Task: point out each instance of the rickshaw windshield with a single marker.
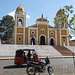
(19, 53)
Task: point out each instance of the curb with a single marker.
(41, 57)
(6, 58)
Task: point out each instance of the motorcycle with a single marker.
(39, 67)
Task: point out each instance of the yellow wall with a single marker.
(65, 40)
(45, 33)
(58, 37)
(63, 32)
(52, 35)
(20, 30)
(17, 39)
(26, 35)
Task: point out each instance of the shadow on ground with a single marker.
(14, 66)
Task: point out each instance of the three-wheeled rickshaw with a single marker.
(23, 56)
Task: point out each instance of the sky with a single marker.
(34, 9)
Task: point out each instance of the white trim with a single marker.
(28, 36)
(42, 22)
(51, 38)
(19, 26)
(63, 29)
(24, 37)
(42, 35)
(24, 30)
(19, 33)
(20, 18)
(48, 37)
(33, 27)
(20, 15)
(64, 35)
(56, 36)
(51, 29)
(37, 36)
(60, 38)
(15, 34)
(67, 39)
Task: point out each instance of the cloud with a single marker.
(28, 16)
(13, 13)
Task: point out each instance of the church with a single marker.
(41, 33)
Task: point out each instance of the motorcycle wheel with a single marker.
(51, 71)
(31, 70)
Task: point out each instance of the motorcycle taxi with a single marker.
(23, 56)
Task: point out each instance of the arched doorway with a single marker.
(42, 40)
(51, 41)
(32, 41)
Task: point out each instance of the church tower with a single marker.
(60, 21)
(20, 24)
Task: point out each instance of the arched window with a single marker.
(19, 39)
(20, 22)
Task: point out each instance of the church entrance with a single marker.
(42, 40)
(51, 41)
(32, 41)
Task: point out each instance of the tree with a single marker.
(67, 10)
(7, 23)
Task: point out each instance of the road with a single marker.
(62, 66)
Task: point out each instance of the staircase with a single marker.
(63, 50)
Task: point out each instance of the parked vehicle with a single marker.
(39, 67)
(23, 56)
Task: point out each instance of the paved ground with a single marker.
(61, 67)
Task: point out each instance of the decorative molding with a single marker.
(64, 35)
(32, 27)
(19, 33)
(42, 23)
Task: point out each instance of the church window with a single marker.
(51, 33)
(33, 32)
(42, 30)
(20, 22)
(19, 38)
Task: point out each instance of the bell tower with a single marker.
(20, 24)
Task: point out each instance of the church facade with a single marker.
(41, 33)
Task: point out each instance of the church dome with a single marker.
(20, 9)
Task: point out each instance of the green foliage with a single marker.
(8, 24)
